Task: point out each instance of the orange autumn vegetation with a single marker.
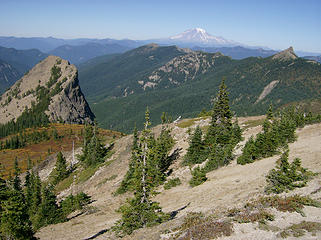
(40, 151)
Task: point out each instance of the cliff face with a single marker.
(71, 106)
(58, 79)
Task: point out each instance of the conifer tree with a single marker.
(16, 179)
(141, 211)
(48, 212)
(93, 151)
(3, 193)
(220, 139)
(221, 123)
(195, 152)
(15, 223)
(35, 199)
(60, 171)
(128, 182)
(287, 176)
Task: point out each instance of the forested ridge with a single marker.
(126, 100)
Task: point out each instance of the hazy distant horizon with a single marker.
(273, 24)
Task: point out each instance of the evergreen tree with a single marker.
(195, 152)
(221, 123)
(16, 179)
(287, 176)
(15, 223)
(60, 172)
(159, 161)
(164, 143)
(93, 151)
(48, 212)
(141, 211)
(3, 193)
(198, 176)
(129, 179)
(35, 199)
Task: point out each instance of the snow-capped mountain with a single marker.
(201, 37)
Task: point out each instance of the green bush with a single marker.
(198, 177)
(73, 203)
(137, 214)
(287, 176)
(172, 183)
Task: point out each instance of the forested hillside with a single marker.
(182, 83)
(18, 62)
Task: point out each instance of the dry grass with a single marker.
(289, 204)
(40, 151)
(196, 226)
(299, 230)
(252, 215)
(253, 123)
(186, 123)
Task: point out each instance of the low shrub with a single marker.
(287, 176)
(172, 183)
(198, 177)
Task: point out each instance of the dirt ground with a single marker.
(227, 187)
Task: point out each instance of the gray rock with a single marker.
(68, 105)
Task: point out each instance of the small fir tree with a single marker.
(16, 179)
(141, 211)
(60, 172)
(48, 211)
(287, 176)
(195, 152)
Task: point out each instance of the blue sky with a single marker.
(277, 24)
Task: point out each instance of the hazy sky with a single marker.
(277, 24)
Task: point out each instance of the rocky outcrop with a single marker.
(59, 79)
(286, 55)
(181, 69)
(267, 90)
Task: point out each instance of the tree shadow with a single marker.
(174, 213)
(98, 234)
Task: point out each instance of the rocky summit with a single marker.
(286, 55)
(55, 78)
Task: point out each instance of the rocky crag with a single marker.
(58, 79)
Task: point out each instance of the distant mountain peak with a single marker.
(200, 36)
(285, 55)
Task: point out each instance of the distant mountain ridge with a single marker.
(48, 44)
(314, 58)
(15, 63)
(183, 82)
(22, 60)
(82, 53)
(237, 52)
(8, 75)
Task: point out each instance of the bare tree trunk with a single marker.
(144, 198)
